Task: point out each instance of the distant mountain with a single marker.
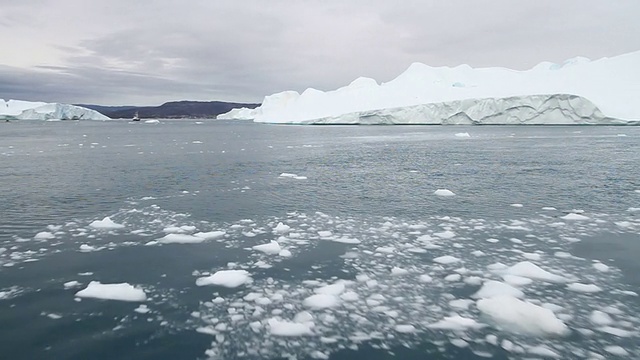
(170, 110)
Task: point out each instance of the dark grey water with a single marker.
(361, 205)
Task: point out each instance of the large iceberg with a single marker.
(579, 91)
(28, 110)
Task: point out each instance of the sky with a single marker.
(123, 52)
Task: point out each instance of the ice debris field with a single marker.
(489, 286)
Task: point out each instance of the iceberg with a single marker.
(28, 110)
(579, 91)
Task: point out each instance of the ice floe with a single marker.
(226, 278)
(119, 291)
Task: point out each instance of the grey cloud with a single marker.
(150, 52)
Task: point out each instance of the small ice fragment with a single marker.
(522, 317)
(494, 288)
(121, 292)
(600, 267)
(396, 271)
(282, 228)
(272, 248)
(226, 278)
(405, 329)
(71, 284)
(142, 309)
(180, 239)
(320, 301)
(573, 216)
(584, 288)
(105, 223)
(447, 259)
(211, 235)
(444, 192)
(44, 235)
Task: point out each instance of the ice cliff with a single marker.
(579, 91)
(27, 110)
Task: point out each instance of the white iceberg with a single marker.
(28, 110)
(579, 91)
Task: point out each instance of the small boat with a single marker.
(136, 117)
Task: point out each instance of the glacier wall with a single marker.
(556, 109)
(26, 110)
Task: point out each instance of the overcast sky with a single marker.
(115, 52)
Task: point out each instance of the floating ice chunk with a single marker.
(452, 277)
(105, 223)
(461, 303)
(272, 248)
(447, 259)
(517, 205)
(317, 354)
(211, 235)
(515, 280)
(287, 175)
(142, 309)
(303, 317)
(515, 315)
(600, 267)
(443, 192)
(324, 233)
(584, 288)
(549, 208)
(616, 331)
(44, 235)
(533, 271)
(456, 323)
(349, 296)
(333, 289)
(447, 234)
(87, 248)
(173, 230)
(543, 351)
(71, 284)
(492, 288)
(121, 292)
(405, 329)
(463, 135)
(573, 216)
(226, 278)
(180, 239)
(396, 271)
(321, 301)
(54, 316)
(386, 249)
(285, 253)
(282, 228)
(154, 121)
(344, 240)
(616, 349)
(531, 256)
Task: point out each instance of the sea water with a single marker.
(257, 241)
